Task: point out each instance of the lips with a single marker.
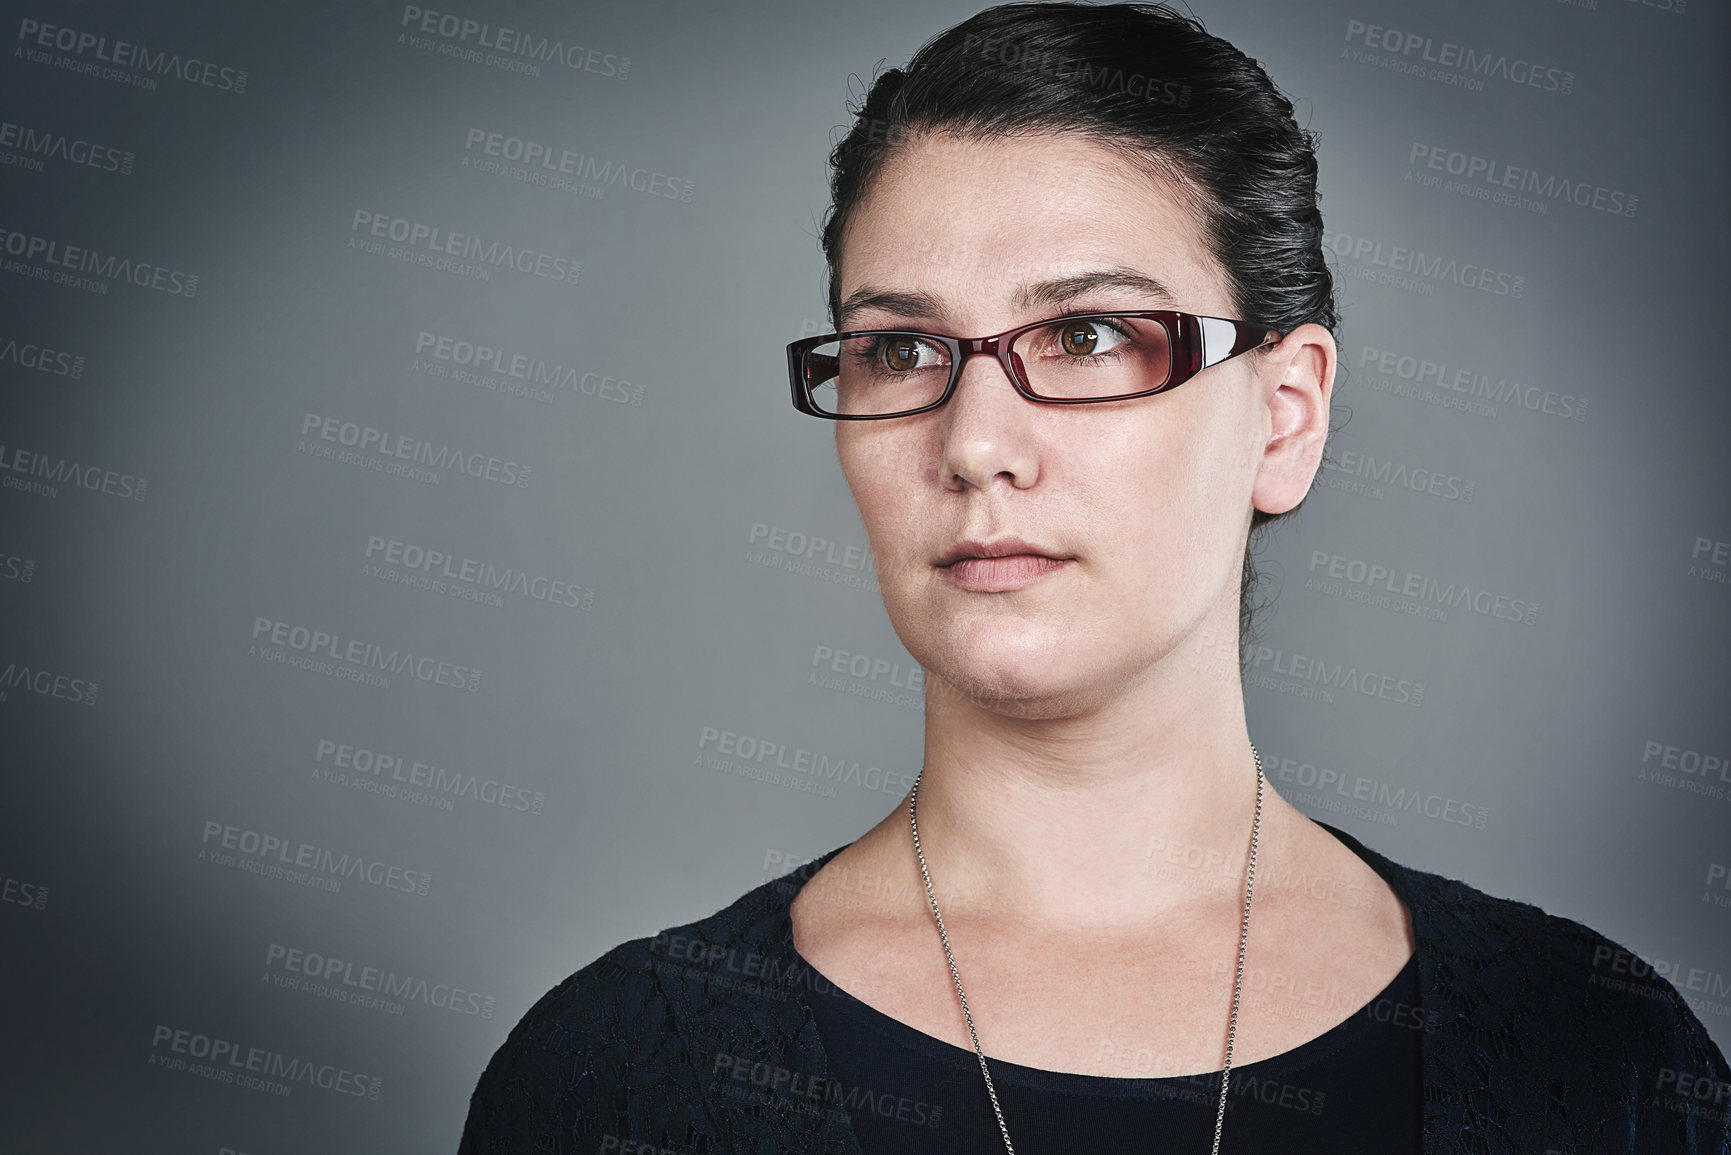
(998, 547)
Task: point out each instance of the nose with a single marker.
(987, 428)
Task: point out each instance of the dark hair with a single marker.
(1152, 83)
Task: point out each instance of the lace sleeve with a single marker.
(595, 1065)
(1644, 1050)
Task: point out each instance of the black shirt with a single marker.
(1547, 1036)
(1355, 1088)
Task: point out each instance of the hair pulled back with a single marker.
(1152, 83)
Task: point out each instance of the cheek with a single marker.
(882, 474)
(882, 506)
(1203, 448)
(1164, 502)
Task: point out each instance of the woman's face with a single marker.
(1147, 501)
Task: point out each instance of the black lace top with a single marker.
(1356, 1087)
(696, 1040)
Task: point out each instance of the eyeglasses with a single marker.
(870, 374)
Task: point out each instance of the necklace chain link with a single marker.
(1237, 977)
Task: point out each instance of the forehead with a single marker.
(970, 221)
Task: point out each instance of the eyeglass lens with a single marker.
(1069, 359)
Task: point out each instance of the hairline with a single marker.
(1156, 164)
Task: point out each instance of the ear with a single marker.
(1297, 379)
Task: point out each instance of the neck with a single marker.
(1132, 810)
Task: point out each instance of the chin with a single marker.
(1036, 697)
(1004, 672)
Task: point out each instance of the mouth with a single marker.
(1003, 547)
(1000, 566)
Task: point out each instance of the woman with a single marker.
(1092, 923)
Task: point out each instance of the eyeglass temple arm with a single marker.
(1222, 338)
(820, 367)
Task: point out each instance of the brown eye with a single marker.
(1078, 340)
(902, 356)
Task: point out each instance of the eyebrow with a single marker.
(1056, 292)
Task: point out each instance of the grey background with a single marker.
(688, 509)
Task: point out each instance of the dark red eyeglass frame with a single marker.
(1198, 342)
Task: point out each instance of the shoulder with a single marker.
(1511, 986)
(610, 1050)
(554, 1082)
